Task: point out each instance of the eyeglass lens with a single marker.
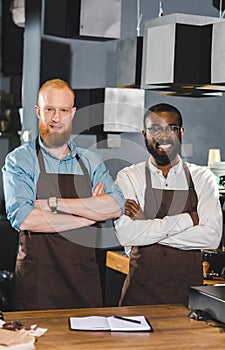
(158, 129)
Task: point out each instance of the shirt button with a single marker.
(166, 185)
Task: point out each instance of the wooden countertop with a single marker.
(119, 261)
(173, 329)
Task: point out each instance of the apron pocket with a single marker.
(25, 288)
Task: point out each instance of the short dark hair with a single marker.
(163, 107)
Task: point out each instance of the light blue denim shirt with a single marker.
(21, 172)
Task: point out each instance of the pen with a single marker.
(127, 319)
(1, 316)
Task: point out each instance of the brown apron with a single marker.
(52, 272)
(160, 274)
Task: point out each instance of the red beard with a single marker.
(53, 138)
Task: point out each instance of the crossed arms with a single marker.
(195, 230)
(85, 212)
(133, 210)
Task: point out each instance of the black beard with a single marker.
(162, 159)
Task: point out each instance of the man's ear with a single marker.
(73, 112)
(143, 133)
(182, 131)
(37, 110)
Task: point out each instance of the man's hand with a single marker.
(133, 210)
(99, 189)
(194, 217)
(99, 207)
(43, 203)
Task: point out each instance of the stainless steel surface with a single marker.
(123, 109)
(98, 19)
(129, 60)
(218, 53)
(160, 45)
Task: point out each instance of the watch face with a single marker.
(52, 202)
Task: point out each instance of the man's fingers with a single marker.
(99, 189)
(131, 208)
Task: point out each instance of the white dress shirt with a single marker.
(178, 230)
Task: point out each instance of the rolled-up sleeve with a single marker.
(101, 174)
(21, 172)
(19, 187)
(206, 235)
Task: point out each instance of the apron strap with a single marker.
(40, 156)
(188, 176)
(186, 171)
(163, 199)
(83, 167)
(42, 163)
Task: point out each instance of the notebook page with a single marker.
(89, 323)
(123, 325)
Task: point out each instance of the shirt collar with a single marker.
(71, 144)
(176, 168)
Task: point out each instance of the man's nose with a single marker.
(56, 116)
(164, 133)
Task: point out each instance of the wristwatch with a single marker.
(53, 203)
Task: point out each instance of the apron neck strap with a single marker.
(42, 163)
(186, 171)
(40, 156)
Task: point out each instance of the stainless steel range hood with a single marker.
(184, 54)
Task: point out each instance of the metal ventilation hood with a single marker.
(76, 18)
(184, 55)
(129, 61)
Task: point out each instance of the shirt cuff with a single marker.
(184, 222)
(119, 200)
(21, 216)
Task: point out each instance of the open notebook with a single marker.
(112, 323)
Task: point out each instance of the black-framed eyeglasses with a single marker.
(158, 130)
